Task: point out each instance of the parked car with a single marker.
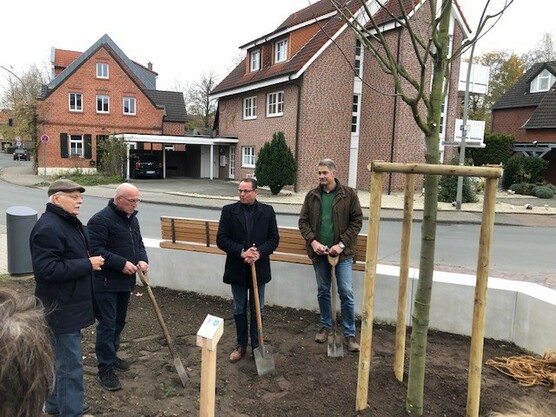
(146, 166)
(21, 155)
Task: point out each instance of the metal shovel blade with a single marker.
(264, 360)
(335, 345)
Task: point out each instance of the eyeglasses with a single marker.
(244, 191)
(132, 200)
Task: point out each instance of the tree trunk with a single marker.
(420, 320)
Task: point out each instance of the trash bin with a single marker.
(19, 223)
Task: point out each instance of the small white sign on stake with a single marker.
(211, 330)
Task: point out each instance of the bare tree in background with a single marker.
(20, 96)
(424, 91)
(544, 51)
(200, 105)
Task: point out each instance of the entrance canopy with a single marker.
(132, 138)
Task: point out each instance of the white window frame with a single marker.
(129, 106)
(76, 146)
(281, 51)
(103, 70)
(275, 104)
(103, 103)
(250, 108)
(255, 63)
(75, 102)
(542, 82)
(248, 156)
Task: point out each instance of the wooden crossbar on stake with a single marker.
(491, 174)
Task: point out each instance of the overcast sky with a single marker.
(185, 39)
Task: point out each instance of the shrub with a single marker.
(448, 190)
(523, 188)
(552, 187)
(112, 156)
(275, 166)
(519, 169)
(498, 149)
(544, 192)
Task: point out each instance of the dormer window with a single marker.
(255, 60)
(542, 82)
(102, 70)
(281, 51)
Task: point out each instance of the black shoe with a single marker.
(120, 365)
(86, 407)
(109, 380)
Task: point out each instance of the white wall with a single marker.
(518, 312)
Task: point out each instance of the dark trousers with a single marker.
(243, 296)
(112, 309)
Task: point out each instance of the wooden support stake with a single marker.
(365, 354)
(207, 338)
(479, 307)
(404, 276)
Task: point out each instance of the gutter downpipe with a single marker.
(297, 122)
(394, 119)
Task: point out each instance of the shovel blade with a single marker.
(335, 346)
(182, 373)
(264, 361)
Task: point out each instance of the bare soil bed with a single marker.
(306, 381)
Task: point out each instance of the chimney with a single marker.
(150, 66)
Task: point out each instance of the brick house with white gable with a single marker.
(528, 111)
(302, 79)
(98, 93)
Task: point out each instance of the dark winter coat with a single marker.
(346, 215)
(117, 238)
(63, 271)
(232, 239)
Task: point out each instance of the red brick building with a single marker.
(95, 94)
(312, 79)
(528, 111)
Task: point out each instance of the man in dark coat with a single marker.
(63, 272)
(248, 233)
(115, 234)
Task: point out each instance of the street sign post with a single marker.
(44, 140)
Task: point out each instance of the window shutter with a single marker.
(64, 145)
(88, 146)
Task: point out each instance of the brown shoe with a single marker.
(351, 344)
(237, 354)
(322, 335)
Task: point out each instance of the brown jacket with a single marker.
(347, 217)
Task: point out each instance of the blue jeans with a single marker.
(240, 294)
(344, 278)
(112, 308)
(68, 395)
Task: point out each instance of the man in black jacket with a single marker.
(63, 272)
(248, 233)
(116, 236)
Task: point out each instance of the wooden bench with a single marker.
(199, 235)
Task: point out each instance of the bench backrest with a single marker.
(200, 235)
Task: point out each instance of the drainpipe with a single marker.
(394, 119)
(297, 122)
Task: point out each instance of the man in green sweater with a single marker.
(330, 221)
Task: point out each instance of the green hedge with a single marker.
(499, 148)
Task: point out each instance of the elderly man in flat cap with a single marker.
(63, 271)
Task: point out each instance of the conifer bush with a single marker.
(275, 167)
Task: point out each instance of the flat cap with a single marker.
(66, 186)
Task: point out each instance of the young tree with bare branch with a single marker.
(426, 25)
